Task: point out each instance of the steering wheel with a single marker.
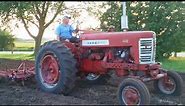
(82, 31)
(76, 26)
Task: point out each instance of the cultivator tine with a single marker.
(21, 73)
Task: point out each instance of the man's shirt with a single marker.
(64, 31)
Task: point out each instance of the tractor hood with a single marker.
(114, 39)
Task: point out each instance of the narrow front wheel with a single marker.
(172, 85)
(133, 92)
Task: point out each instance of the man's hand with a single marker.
(77, 29)
(58, 38)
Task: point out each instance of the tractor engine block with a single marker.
(121, 54)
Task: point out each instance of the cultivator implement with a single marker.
(23, 71)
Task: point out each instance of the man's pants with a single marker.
(72, 39)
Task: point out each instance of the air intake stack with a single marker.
(124, 18)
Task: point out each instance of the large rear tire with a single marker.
(133, 92)
(55, 68)
(172, 87)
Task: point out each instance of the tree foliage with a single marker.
(6, 40)
(39, 14)
(32, 13)
(112, 16)
(167, 19)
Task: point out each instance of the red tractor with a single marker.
(130, 54)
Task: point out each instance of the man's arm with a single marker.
(74, 30)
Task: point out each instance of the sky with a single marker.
(88, 21)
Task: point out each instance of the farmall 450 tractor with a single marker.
(130, 54)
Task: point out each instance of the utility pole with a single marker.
(124, 18)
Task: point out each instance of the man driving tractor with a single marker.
(64, 31)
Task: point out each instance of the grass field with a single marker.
(24, 45)
(177, 64)
(17, 56)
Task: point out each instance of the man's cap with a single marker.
(66, 17)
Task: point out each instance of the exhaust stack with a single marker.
(124, 18)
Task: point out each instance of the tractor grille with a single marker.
(147, 50)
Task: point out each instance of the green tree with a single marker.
(167, 19)
(32, 13)
(39, 14)
(112, 16)
(6, 40)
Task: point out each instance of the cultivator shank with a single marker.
(23, 72)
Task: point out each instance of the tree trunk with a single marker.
(38, 42)
(37, 46)
(175, 54)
